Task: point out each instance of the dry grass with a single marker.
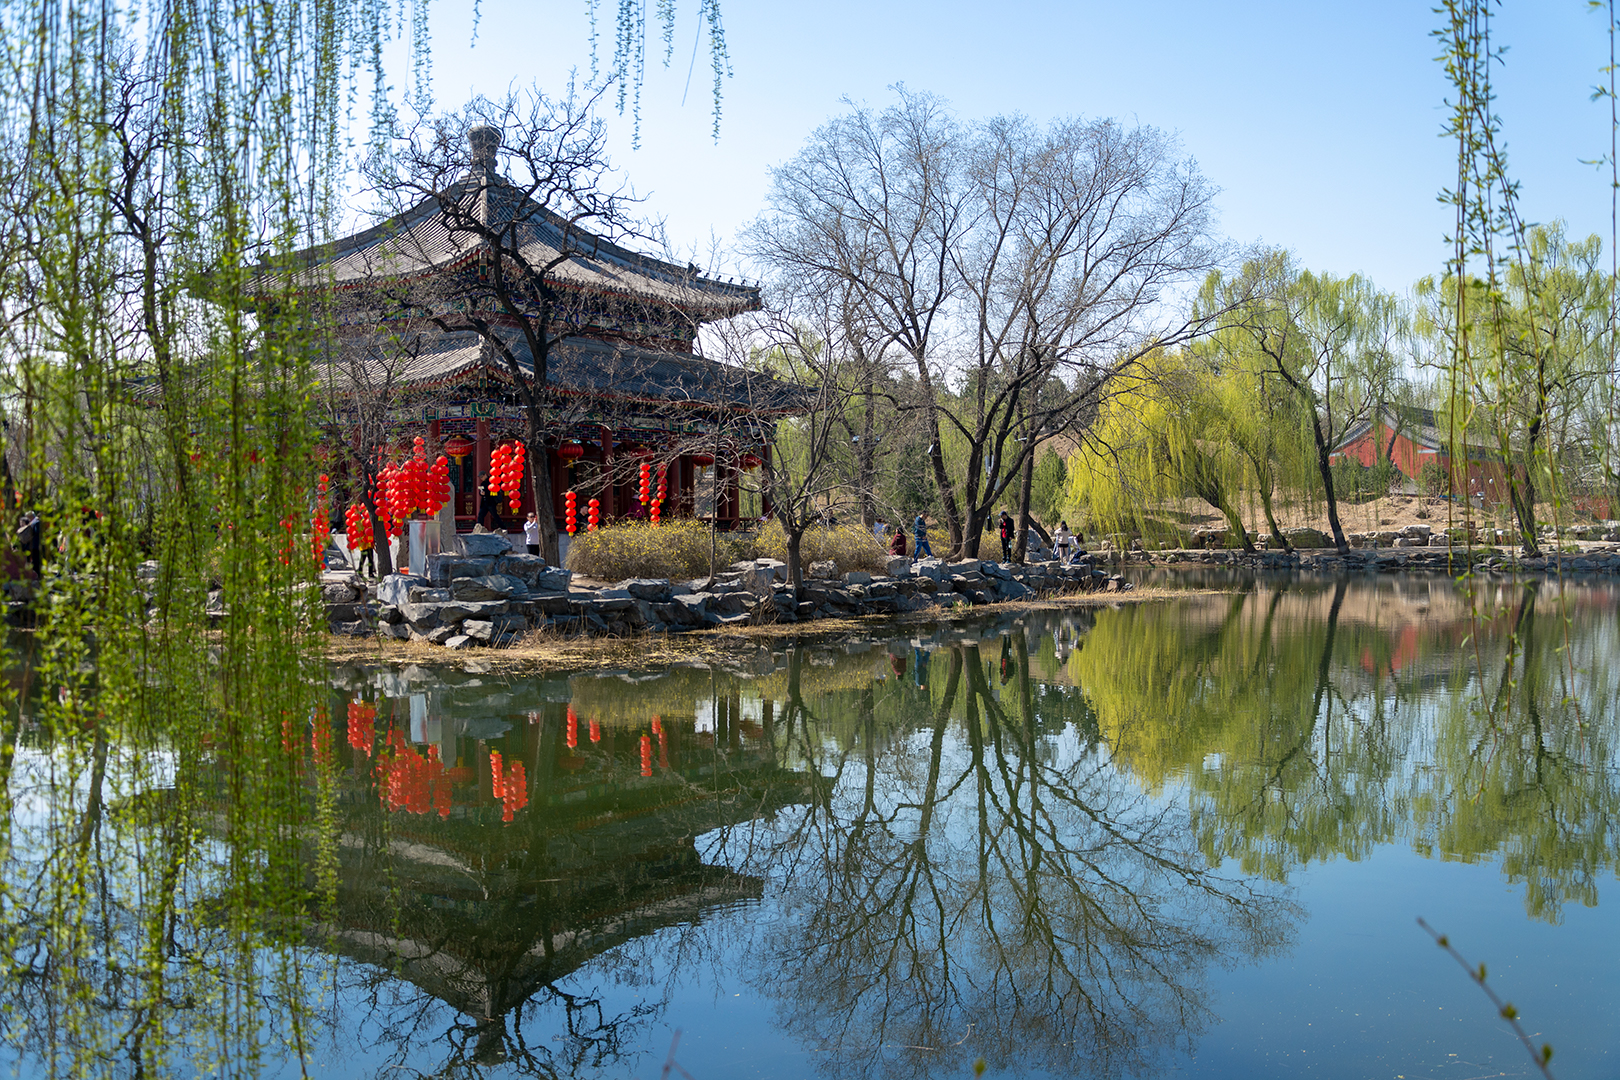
(676, 550)
(679, 549)
(851, 547)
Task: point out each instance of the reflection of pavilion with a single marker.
(482, 915)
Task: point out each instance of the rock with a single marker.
(402, 630)
(429, 596)
(388, 613)
(359, 628)
(339, 593)
(396, 588)
(444, 568)
(477, 629)
(1417, 531)
(605, 600)
(491, 587)
(965, 567)
(334, 559)
(857, 577)
(553, 579)
(345, 612)
(148, 570)
(653, 590)
(898, 566)
(481, 545)
(423, 616)
(825, 570)
(930, 568)
(758, 579)
(441, 634)
(522, 565)
(457, 610)
(460, 641)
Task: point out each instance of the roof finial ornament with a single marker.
(484, 140)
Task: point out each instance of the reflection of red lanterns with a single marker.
(573, 722)
(570, 511)
(646, 755)
(596, 731)
(663, 743)
(593, 514)
(362, 726)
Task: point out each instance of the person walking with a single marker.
(531, 533)
(920, 548)
(366, 564)
(1006, 537)
(1062, 541)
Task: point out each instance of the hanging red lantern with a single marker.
(593, 515)
(570, 511)
(459, 446)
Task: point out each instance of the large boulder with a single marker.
(553, 579)
(481, 545)
(521, 565)
(653, 590)
(396, 588)
(490, 587)
(898, 566)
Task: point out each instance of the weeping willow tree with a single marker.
(1168, 436)
(167, 766)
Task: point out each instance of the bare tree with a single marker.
(874, 206)
(530, 260)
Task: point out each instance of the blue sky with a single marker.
(1319, 122)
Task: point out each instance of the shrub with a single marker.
(676, 549)
(1434, 480)
(851, 547)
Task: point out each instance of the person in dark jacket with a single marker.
(897, 544)
(1006, 537)
(920, 548)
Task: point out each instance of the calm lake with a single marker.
(1180, 837)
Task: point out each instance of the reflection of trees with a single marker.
(1526, 760)
(1299, 740)
(994, 887)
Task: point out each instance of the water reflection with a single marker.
(1040, 840)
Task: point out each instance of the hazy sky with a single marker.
(1319, 122)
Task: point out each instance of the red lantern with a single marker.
(593, 515)
(570, 511)
(459, 446)
(570, 452)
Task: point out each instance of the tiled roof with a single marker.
(577, 365)
(430, 237)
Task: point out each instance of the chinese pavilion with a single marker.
(421, 344)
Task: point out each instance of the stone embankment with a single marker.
(1414, 548)
(484, 594)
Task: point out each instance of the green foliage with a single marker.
(1047, 488)
(1355, 482)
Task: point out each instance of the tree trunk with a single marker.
(795, 562)
(863, 461)
(540, 488)
(1522, 493)
(942, 483)
(1025, 484)
(1325, 468)
(973, 533)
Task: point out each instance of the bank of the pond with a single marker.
(1452, 558)
(552, 650)
(485, 595)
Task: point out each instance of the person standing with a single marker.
(1006, 537)
(920, 548)
(531, 533)
(1062, 541)
(32, 540)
